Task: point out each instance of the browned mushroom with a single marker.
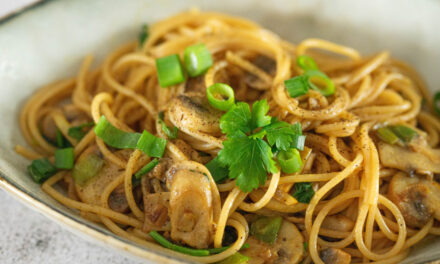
(338, 223)
(190, 210)
(418, 199)
(192, 110)
(334, 256)
(288, 248)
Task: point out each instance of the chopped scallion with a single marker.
(41, 170)
(146, 169)
(167, 244)
(115, 137)
(436, 103)
(290, 160)
(405, 133)
(320, 82)
(64, 158)
(151, 145)
(143, 34)
(306, 63)
(220, 96)
(297, 86)
(387, 135)
(77, 132)
(86, 168)
(298, 141)
(170, 70)
(266, 228)
(237, 258)
(197, 59)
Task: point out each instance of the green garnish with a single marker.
(86, 168)
(220, 96)
(41, 170)
(197, 59)
(306, 63)
(64, 158)
(387, 135)
(61, 141)
(185, 250)
(289, 160)
(77, 132)
(405, 133)
(171, 133)
(306, 246)
(303, 192)
(266, 228)
(217, 170)
(436, 103)
(297, 86)
(170, 70)
(143, 34)
(115, 137)
(151, 145)
(237, 258)
(146, 169)
(246, 153)
(320, 82)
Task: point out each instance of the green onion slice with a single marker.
(306, 63)
(41, 170)
(143, 34)
(297, 86)
(266, 228)
(86, 168)
(197, 59)
(171, 133)
(405, 133)
(64, 158)
(77, 132)
(167, 244)
(237, 258)
(320, 82)
(298, 142)
(115, 137)
(220, 96)
(387, 135)
(146, 169)
(169, 70)
(290, 160)
(151, 145)
(436, 103)
(303, 192)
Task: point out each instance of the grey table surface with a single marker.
(27, 236)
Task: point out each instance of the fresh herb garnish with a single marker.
(170, 132)
(143, 34)
(246, 153)
(78, 132)
(303, 192)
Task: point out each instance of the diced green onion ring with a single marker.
(220, 96)
(320, 82)
(86, 168)
(197, 59)
(290, 160)
(170, 70)
(64, 158)
(297, 86)
(236, 258)
(306, 63)
(266, 228)
(115, 137)
(406, 134)
(41, 170)
(387, 135)
(151, 145)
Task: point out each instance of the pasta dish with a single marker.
(215, 139)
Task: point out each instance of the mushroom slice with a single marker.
(338, 223)
(191, 210)
(192, 110)
(288, 248)
(334, 256)
(405, 159)
(417, 199)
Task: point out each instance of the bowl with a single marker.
(47, 41)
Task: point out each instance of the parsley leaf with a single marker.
(249, 160)
(218, 171)
(259, 117)
(238, 118)
(283, 135)
(303, 192)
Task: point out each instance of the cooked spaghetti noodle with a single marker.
(357, 213)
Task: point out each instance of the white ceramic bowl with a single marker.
(48, 41)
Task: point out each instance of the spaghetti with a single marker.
(360, 208)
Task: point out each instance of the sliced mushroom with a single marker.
(192, 110)
(418, 199)
(190, 210)
(405, 159)
(191, 153)
(334, 256)
(338, 223)
(287, 249)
